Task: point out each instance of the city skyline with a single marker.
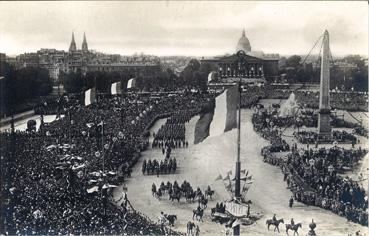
(183, 28)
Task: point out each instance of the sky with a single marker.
(204, 28)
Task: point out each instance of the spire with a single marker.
(72, 47)
(84, 43)
(243, 33)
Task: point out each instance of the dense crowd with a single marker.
(59, 180)
(314, 175)
(351, 101)
(269, 132)
(338, 136)
(330, 191)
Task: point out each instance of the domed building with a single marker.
(255, 67)
(243, 43)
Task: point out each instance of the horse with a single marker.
(190, 196)
(275, 223)
(203, 202)
(158, 194)
(175, 196)
(171, 219)
(198, 214)
(294, 227)
(209, 193)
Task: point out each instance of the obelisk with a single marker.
(324, 126)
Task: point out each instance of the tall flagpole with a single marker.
(237, 192)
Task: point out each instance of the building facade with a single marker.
(85, 60)
(255, 65)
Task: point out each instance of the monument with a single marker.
(324, 126)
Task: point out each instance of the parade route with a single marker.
(200, 165)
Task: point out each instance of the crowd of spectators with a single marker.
(59, 179)
(348, 100)
(314, 175)
(338, 136)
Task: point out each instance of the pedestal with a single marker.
(324, 126)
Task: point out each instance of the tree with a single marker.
(73, 82)
(23, 84)
(293, 61)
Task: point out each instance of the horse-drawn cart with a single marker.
(220, 217)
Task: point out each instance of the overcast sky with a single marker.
(183, 28)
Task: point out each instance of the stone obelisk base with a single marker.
(324, 126)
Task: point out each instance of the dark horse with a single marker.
(294, 227)
(190, 196)
(198, 214)
(209, 193)
(175, 196)
(171, 219)
(275, 223)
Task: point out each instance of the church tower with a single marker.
(84, 44)
(72, 47)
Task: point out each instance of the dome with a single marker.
(243, 43)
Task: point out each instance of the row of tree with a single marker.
(294, 70)
(20, 85)
(152, 80)
(194, 75)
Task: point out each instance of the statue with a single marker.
(312, 226)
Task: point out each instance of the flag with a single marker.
(131, 83)
(229, 187)
(222, 119)
(246, 188)
(227, 178)
(246, 178)
(116, 88)
(219, 178)
(90, 96)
